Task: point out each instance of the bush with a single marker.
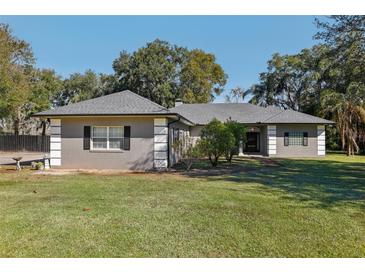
(219, 139)
(39, 166)
(188, 150)
(239, 133)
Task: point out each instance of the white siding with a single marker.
(271, 140)
(321, 139)
(160, 143)
(55, 148)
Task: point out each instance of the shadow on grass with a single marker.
(323, 183)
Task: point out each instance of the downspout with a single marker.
(168, 140)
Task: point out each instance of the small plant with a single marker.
(188, 150)
(39, 166)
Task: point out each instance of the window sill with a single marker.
(106, 150)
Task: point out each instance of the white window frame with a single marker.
(107, 138)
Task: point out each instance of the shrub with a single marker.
(188, 150)
(239, 133)
(219, 139)
(39, 166)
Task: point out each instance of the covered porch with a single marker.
(256, 141)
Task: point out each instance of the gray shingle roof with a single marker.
(129, 103)
(245, 113)
(120, 103)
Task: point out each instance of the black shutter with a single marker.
(286, 139)
(87, 134)
(127, 138)
(305, 139)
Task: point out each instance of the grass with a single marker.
(300, 208)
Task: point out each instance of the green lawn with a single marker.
(301, 208)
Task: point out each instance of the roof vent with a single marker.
(178, 102)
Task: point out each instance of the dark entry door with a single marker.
(253, 142)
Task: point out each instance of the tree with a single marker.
(152, 71)
(348, 112)
(163, 73)
(289, 82)
(45, 87)
(213, 139)
(238, 131)
(16, 61)
(201, 78)
(79, 87)
(237, 94)
(344, 76)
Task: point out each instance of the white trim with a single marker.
(160, 140)
(107, 139)
(160, 122)
(160, 130)
(55, 153)
(55, 143)
(55, 139)
(160, 147)
(55, 146)
(55, 162)
(160, 155)
(271, 140)
(160, 163)
(55, 130)
(321, 140)
(56, 122)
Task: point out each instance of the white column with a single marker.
(55, 149)
(271, 140)
(160, 143)
(321, 140)
(240, 149)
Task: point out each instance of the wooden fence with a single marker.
(34, 143)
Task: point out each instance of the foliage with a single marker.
(37, 165)
(163, 73)
(213, 139)
(45, 85)
(219, 139)
(201, 78)
(348, 110)
(239, 133)
(289, 82)
(236, 95)
(16, 60)
(189, 151)
(79, 87)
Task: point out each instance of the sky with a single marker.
(242, 44)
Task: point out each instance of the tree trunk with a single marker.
(214, 161)
(44, 127)
(16, 127)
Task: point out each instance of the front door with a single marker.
(253, 142)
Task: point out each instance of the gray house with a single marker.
(126, 131)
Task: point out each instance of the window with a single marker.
(296, 138)
(107, 138)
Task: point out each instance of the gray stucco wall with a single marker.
(296, 151)
(139, 157)
(195, 131)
